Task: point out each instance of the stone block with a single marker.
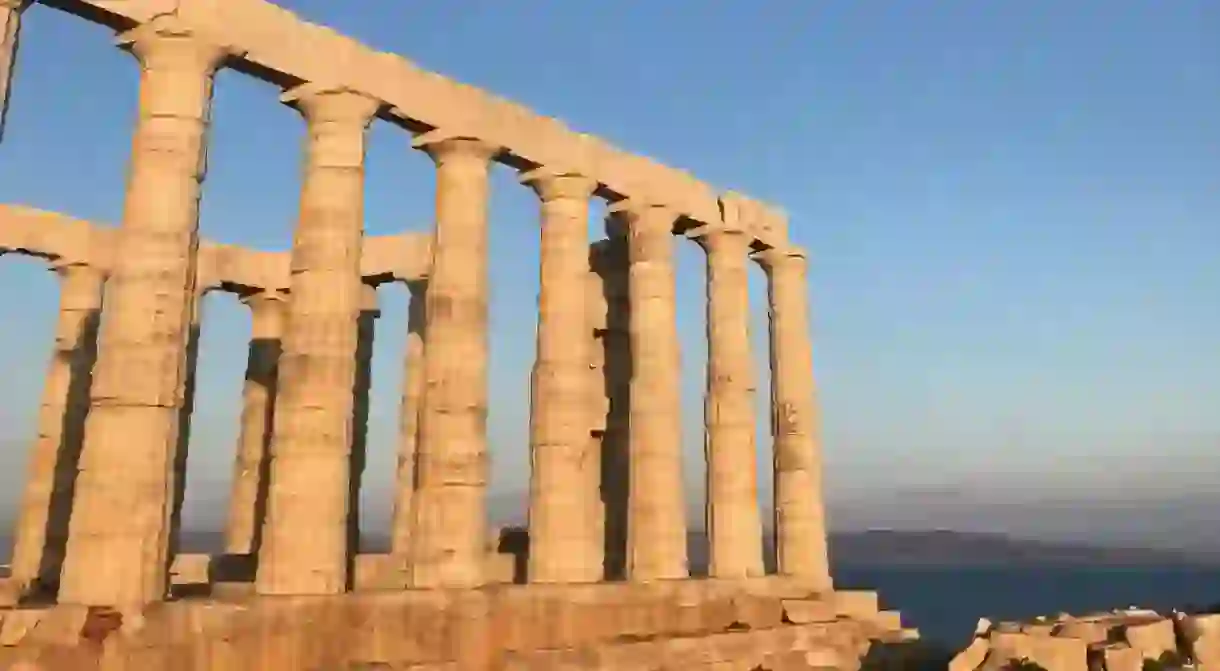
(18, 624)
(802, 611)
(190, 570)
(1152, 639)
(859, 604)
(379, 572)
(1049, 652)
(1122, 658)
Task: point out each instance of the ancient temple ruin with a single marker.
(603, 580)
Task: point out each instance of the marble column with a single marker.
(563, 547)
(800, 519)
(733, 519)
(10, 34)
(611, 313)
(370, 311)
(121, 515)
(248, 499)
(408, 421)
(305, 534)
(656, 542)
(42, 521)
(450, 530)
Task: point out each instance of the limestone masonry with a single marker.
(1115, 641)
(599, 581)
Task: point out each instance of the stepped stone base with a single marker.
(693, 624)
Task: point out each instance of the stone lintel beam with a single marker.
(280, 47)
(59, 237)
(54, 236)
(396, 258)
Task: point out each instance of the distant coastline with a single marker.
(891, 548)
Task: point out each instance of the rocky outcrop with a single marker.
(1122, 640)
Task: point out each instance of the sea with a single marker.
(945, 603)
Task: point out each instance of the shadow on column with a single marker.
(180, 453)
(72, 437)
(515, 541)
(262, 369)
(360, 424)
(608, 259)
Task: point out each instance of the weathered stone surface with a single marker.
(292, 589)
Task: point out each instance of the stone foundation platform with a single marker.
(693, 624)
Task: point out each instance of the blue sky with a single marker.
(1009, 206)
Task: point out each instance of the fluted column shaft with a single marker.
(10, 32)
(41, 529)
(366, 332)
(563, 546)
(733, 520)
(657, 524)
(305, 536)
(248, 500)
(452, 467)
(800, 519)
(408, 421)
(119, 535)
(610, 306)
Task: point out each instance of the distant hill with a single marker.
(881, 548)
(952, 548)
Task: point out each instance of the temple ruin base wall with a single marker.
(769, 623)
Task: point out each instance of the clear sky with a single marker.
(1010, 209)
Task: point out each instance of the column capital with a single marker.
(551, 185)
(778, 259)
(325, 103)
(167, 42)
(445, 146)
(265, 298)
(61, 265)
(716, 239)
(637, 214)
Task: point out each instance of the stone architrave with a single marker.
(10, 35)
(733, 520)
(305, 534)
(563, 545)
(121, 515)
(248, 499)
(450, 530)
(40, 534)
(656, 528)
(800, 518)
(408, 421)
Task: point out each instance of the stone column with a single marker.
(10, 32)
(800, 520)
(305, 534)
(370, 311)
(657, 525)
(248, 500)
(562, 500)
(450, 528)
(42, 521)
(733, 520)
(119, 535)
(408, 421)
(611, 299)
